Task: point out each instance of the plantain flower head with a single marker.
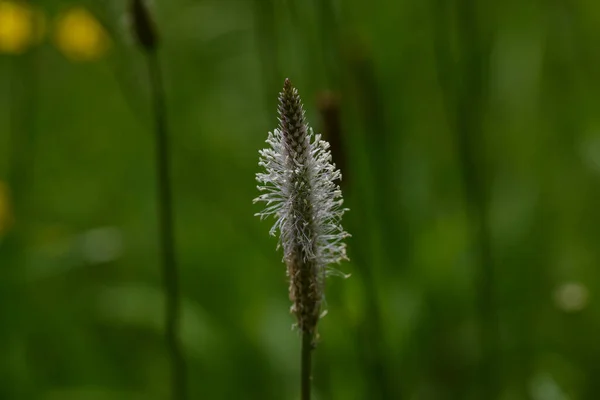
(300, 190)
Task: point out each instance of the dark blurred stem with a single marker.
(471, 104)
(464, 90)
(369, 166)
(328, 34)
(23, 98)
(166, 232)
(266, 32)
(445, 66)
(305, 368)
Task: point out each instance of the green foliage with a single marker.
(80, 291)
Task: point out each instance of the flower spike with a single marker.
(299, 189)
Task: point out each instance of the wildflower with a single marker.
(79, 36)
(300, 192)
(20, 26)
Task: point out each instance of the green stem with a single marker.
(464, 86)
(471, 106)
(166, 232)
(266, 30)
(22, 112)
(305, 372)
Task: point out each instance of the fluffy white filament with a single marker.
(326, 245)
(300, 190)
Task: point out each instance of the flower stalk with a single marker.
(145, 33)
(300, 190)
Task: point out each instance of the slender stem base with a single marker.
(166, 231)
(305, 373)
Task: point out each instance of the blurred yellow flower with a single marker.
(20, 26)
(6, 217)
(80, 36)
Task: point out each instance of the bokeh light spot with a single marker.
(101, 245)
(79, 36)
(16, 27)
(571, 296)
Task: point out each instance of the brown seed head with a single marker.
(143, 26)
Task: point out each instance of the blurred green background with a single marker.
(468, 134)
